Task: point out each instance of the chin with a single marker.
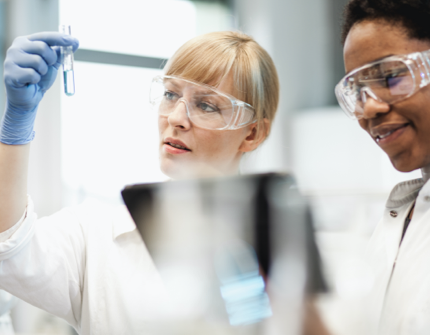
(171, 169)
(406, 165)
(178, 170)
(188, 169)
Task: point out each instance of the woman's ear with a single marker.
(257, 133)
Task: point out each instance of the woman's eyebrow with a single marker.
(199, 90)
(170, 81)
(203, 91)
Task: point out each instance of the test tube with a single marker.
(67, 61)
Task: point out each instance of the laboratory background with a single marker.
(124, 44)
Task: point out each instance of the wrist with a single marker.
(16, 126)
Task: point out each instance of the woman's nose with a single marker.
(179, 117)
(373, 108)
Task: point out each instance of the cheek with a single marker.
(230, 143)
(416, 110)
(217, 143)
(162, 124)
(208, 142)
(364, 124)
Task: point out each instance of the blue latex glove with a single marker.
(30, 70)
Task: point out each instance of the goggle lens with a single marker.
(386, 81)
(205, 107)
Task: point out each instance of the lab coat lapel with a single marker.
(398, 206)
(393, 221)
(407, 299)
(122, 222)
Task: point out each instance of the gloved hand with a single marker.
(30, 70)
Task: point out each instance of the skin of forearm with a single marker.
(13, 183)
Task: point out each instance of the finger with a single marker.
(55, 39)
(22, 77)
(42, 49)
(57, 50)
(46, 81)
(26, 60)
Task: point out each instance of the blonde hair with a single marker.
(210, 58)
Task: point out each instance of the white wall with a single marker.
(297, 36)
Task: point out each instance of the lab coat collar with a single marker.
(122, 222)
(425, 171)
(404, 193)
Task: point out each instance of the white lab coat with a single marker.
(402, 293)
(86, 264)
(7, 301)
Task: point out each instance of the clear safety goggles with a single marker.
(206, 106)
(389, 80)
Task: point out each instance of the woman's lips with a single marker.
(175, 147)
(173, 150)
(388, 135)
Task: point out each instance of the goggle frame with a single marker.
(418, 64)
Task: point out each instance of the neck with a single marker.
(425, 171)
(202, 170)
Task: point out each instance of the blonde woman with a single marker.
(235, 65)
(216, 101)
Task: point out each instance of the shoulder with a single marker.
(92, 217)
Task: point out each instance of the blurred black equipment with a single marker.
(236, 254)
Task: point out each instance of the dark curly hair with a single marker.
(413, 15)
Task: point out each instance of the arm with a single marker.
(30, 70)
(13, 181)
(43, 262)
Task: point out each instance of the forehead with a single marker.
(368, 41)
(225, 85)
